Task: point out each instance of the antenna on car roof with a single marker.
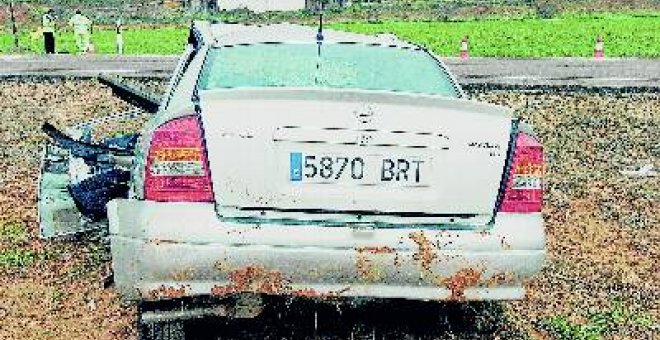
(319, 42)
(319, 34)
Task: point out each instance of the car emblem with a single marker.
(364, 139)
(365, 114)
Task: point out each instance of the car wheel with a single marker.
(169, 330)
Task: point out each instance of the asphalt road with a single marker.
(533, 72)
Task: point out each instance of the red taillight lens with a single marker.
(177, 165)
(524, 188)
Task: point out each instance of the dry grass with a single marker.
(59, 295)
(603, 240)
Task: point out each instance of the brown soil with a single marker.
(603, 240)
(60, 294)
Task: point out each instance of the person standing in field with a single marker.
(82, 28)
(120, 38)
(48, 29)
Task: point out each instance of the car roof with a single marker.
(224, 34)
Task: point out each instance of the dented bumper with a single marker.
(172, 250)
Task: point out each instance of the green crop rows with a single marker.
(574, 36)
(625, 35)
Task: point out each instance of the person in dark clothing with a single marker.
(48, 29)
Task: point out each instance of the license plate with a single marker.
(365, 169)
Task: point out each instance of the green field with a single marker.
(162, 40)
(572, 36)
(626, 35)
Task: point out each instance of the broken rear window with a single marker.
(346, 66)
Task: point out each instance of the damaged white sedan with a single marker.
(287, 161)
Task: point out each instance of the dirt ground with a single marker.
(602, 277)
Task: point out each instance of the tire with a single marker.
(171, 330)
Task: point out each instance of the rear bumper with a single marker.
(172, 250)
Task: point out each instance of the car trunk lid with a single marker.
(367, 158)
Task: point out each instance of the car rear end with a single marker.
(304, 202)
(327, 177)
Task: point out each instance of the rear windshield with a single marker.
(346, 66)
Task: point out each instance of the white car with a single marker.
(287, 161)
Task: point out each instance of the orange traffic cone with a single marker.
(599, 53)
(465, 48)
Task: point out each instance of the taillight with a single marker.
(177, 165)
(524, 188)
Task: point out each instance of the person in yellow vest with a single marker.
(82, 28)
(48, 29)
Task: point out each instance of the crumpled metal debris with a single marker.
(644, 171)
